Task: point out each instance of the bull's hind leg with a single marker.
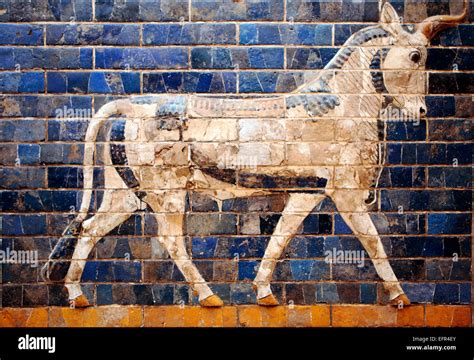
(296, 210)
(117, 206)
(169, 208)
(352, 207)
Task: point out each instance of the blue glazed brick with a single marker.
(440, 106)
(450, 59)
(94, 82)
(285, 34)
(450, 83)
(368, 293)
(243, 10)
(190, 82)
(302, 270)
(457, 177)
(441, 269)
(47, 106)
(355, 271)
(21, 34)
(465, 293)
(104, 294)
(317, 224)
(24, 224)
(43, 200)
(132, 226)
(419, 292)
(140, 58)
(141, 10)
(211, 224)
(446, 294)
(45, 58)
(394, 152)
(450, 200)
(317, 10)
(170, 294)
(449, 223)
(120, 271)
(22, 130)
(309, 58)
(41, 10)
(400, 177)
(300, 294)
(340, 227)
(327, 293)
(85, 34)
(460, 35)
(62, 154)
(411, 270)
(399, 223)
(189, 34)
(350, 243)
(268, 82)
(67, 130)
(18, 273)
(450, 130)
(342, 32)
(53, 200)
(9, 154)
(397, 130)
(228, 58)
(248, 269)
(160, 271)
(429, 153)
(29, 154)
(459, 154)
(242, 247)
(18, 178)
(242, 294)
(425, 246)
(64, 177)
(31, 82)
(305, 246)
(204, 247)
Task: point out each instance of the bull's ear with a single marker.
(389, 19)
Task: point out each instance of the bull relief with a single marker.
(325, 139)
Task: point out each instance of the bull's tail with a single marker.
(58, 263)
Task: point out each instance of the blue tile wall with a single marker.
(61, 60)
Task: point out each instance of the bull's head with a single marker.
(404, 62)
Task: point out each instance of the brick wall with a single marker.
(78, 55)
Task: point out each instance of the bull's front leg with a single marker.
(296, 210)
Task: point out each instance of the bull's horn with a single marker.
(434, 24)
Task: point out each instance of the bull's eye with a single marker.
(415, 56)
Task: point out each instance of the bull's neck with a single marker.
(350, 74)
(354, 84)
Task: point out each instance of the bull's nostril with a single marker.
(422, 110)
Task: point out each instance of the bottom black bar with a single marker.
(337, 343)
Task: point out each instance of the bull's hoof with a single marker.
(268, 300)
(401, 300)
(212, 301)
(79, 302)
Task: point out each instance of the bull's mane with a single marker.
(320, 84)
